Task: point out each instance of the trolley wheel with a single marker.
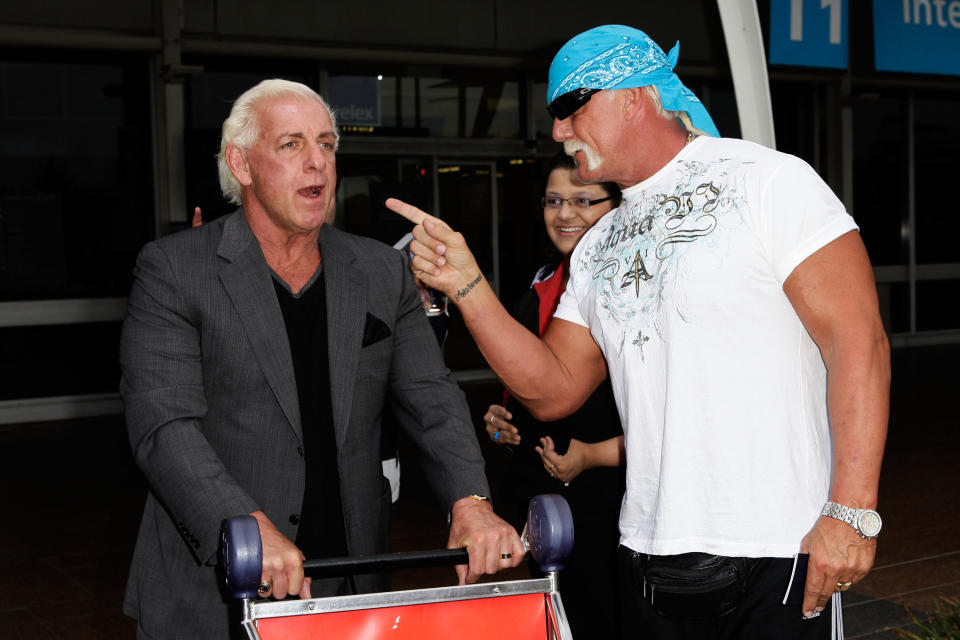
(549, 531)
(242, 555)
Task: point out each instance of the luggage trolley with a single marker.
(516, 609)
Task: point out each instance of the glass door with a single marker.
(466, 196)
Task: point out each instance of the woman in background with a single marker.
(581, 456)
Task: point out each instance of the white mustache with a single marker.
(594, 159)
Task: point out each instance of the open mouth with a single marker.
(570, 229)
(311, 192)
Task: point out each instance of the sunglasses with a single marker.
(564, 106)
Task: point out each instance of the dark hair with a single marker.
(561, 160)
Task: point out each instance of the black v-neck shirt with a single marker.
(321, 533)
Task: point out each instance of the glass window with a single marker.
(469, 108)
(798, 122)
(937, 305)
(496, 106)
(366, 181)
(937, 158)
(466, 204)
(76, 179)
(523, 242)
(443, 105)
(542, 122)
(398, 105)
(721, 103)
(43, 361)
(880, 176)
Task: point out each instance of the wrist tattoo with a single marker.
(470, 285)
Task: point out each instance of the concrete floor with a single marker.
(72, 499)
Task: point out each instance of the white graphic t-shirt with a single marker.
(721, 391)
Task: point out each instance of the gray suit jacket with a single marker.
(213, 416)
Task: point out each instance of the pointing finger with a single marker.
(408, 211)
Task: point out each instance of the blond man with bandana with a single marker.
(732, 304)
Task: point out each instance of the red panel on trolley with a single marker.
(519, 617)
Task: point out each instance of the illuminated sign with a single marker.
(920, 36)
(355, 100)
(809, 33)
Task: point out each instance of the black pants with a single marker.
(760, 615)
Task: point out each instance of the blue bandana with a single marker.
(618, 57)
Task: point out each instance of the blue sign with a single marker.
(355, 99)
(922, 36)
(809, 33)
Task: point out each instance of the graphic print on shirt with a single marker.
(635, 264)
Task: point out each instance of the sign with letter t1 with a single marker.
(809, 33)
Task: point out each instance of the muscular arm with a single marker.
(834, 295)
(551, 377)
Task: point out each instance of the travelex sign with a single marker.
(916, 36)
(355, 99)
(921, 36)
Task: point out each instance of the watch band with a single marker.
(840, 512)
(854, 517)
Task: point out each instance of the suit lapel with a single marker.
(249, 284)
(345, 319)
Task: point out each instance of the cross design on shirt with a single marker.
(639, 342)
(636, 272)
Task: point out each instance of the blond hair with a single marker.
(242, 127)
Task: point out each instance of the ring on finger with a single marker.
(265, 587)
(843, 586)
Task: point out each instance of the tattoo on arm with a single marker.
(463, 292)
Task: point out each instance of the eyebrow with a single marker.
(301, 136)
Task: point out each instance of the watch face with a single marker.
(869, 523)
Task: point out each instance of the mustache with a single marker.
(594, 159)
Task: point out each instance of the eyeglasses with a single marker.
(551, 202)
(564, 106)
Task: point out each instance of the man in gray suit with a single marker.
(257, 355)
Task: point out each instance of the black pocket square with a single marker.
(374, 330)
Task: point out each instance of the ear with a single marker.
(238, 165)
(633, 102)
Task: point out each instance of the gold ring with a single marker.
(843, 586)
(265, 587)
